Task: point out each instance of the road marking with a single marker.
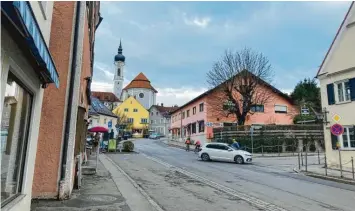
(145, 194)
(250, 199)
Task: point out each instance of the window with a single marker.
(157, 113)
(130, 120)
(342, 91)
(14, 137)
(151, 121)
(161, 120)
(258, 108)
(105, 121)
(183, 115)
(152, 113)
(348, 138)
(144, 120)
(187, 113)
(280, 109)
(201, 126)
(135, 110)
(90, 121)
(43, 7)
(201, 107)
(119, 71)
(193, 127)
(141, 95)
(194, 110)
(126, 110)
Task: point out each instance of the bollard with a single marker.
(326, 165)
(262, 150)
(352, 167)
(306, 160)
(299, 161)
(318, 158)
(341, 166)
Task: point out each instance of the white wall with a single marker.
(12, 57)
(43, 17)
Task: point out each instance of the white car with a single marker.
(223, 152)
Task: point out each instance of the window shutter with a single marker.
(330, 93)
(352, 89)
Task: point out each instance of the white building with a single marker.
(119, 62)
(337, 81)
(142, 90)
(27, 68)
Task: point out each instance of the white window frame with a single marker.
(336, 92)
(340, 139)
(43, 7)
(280, 110)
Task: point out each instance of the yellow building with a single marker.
(135, 115)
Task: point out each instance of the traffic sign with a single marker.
(109, 124)
(337, 129)
(336, 118)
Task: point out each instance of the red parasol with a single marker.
(98, 129)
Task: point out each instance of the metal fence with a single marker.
(322, 166)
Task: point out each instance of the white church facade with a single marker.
(139, 87)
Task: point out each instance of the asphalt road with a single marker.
(178, 180)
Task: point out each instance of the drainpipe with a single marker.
(71, 92)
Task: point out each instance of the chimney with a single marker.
(162, 104)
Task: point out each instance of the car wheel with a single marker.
(239, 159)
(205, 157)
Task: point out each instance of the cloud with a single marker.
(104, 69)
(178, 96)
(101, 86)
(196, 21)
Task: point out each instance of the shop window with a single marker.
(201, 126)
(14, 137)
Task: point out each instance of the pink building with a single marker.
(192, 117)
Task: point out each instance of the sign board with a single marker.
(304, 111)
(336, 118)
(109, 124)
(211, 124)
(337, 129)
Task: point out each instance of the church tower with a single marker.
(119, 62)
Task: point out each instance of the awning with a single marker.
(25, 30)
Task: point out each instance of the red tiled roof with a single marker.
(163, 109)
(140, 81)
(106, 96)
(331, 45)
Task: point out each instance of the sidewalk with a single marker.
(332, 173)
(98, 192)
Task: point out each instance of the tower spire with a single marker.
(120, 48)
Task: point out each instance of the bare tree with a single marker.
(239, 79)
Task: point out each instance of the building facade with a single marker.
(136, 116)
(159, 119)
(64, 120)
(101, 116)
(142, 90)
(27, 69)
(108, 98)
(194, 118)
(337, 83)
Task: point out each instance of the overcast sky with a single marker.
(175, 43)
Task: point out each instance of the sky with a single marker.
(176, 43)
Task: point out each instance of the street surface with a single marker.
(178, 181)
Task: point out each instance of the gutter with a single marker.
(71, 92)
